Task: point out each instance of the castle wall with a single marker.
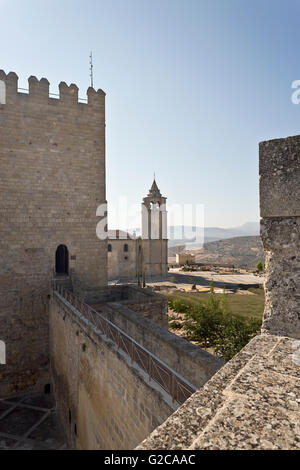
(121, 264)
(147, 303)
(104, 401)
(155, 309)
(52, 157)
(152, 259)
(280, 228)
(191, 362)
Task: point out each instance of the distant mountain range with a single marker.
(194, 236)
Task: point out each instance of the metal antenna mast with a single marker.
(91, 70)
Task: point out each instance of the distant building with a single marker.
(130, 256)
(185, 258)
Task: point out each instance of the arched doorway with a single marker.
(62, 260)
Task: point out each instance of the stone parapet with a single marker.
(280, 231)
(251, 403)
(38, 91)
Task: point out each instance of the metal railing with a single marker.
(176, 386)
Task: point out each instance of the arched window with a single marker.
(2, 92)
(109, 249)
(126, 248)
(62, 260)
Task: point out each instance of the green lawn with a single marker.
(239, 304)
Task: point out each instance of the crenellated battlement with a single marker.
(38, 92)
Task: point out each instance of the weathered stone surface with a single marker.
(280, 232)
(246, 424)
(281, 239)
(279, 169)
(251, 403)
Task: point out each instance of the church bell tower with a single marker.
(154, 233)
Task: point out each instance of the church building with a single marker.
(144, 257)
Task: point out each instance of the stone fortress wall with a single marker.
(52, 157)
(191, 362)
(124, 255)
(104, 401)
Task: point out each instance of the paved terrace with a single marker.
(203, 278)
(30, 422)
(177, 278)
(253, 402)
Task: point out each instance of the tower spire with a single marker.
(154, 191)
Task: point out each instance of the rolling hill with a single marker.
(242, 252)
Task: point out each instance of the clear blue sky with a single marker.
(192, 87)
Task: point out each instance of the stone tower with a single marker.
(52, 160)
(154, 233)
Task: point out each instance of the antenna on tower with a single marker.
(91, 70)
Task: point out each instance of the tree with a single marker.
(224, 303)
(260, 267)
(212, 303)
(212, 325)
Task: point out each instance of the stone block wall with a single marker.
(155, 258)
(280, 232)
(122, 264)
(155, 310)
(52, 159)
(148, 304)
(191, 362)
(24, 327)
(104, 401)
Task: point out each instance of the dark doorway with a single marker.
(62, 260)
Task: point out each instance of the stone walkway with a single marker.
(253, 402)
(30, 422)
